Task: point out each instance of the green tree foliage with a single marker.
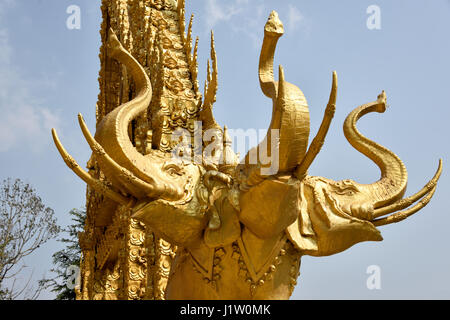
(66, 259)
(25, 225)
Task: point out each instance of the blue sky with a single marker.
(48, 74)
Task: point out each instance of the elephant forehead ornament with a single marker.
(243, 231)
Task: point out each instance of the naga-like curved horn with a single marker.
(392, 184)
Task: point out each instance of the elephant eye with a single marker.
(346, 187)
(173, 169)
(346, 192)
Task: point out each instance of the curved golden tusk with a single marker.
(277, 115)
(402, 215)
(281, 102)
(317, 143)
(96, 184)
(281, 84)
(404, 203)
(123, 174)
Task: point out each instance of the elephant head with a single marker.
(334, 215)
(327, 216)
(163, 184)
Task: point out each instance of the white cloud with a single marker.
(248, 17)
(24, 121)
(222, 12)
(295, 18)
(297, 21)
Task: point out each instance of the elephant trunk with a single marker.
(287, 137)
(126, 166)
(272, 32)
(392, 184)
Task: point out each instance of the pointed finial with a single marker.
(229, 160)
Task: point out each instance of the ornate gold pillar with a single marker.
(121, 258)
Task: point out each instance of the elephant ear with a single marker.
(322, 228)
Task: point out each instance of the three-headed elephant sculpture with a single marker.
(242, 232)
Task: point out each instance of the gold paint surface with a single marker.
(161, 228)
